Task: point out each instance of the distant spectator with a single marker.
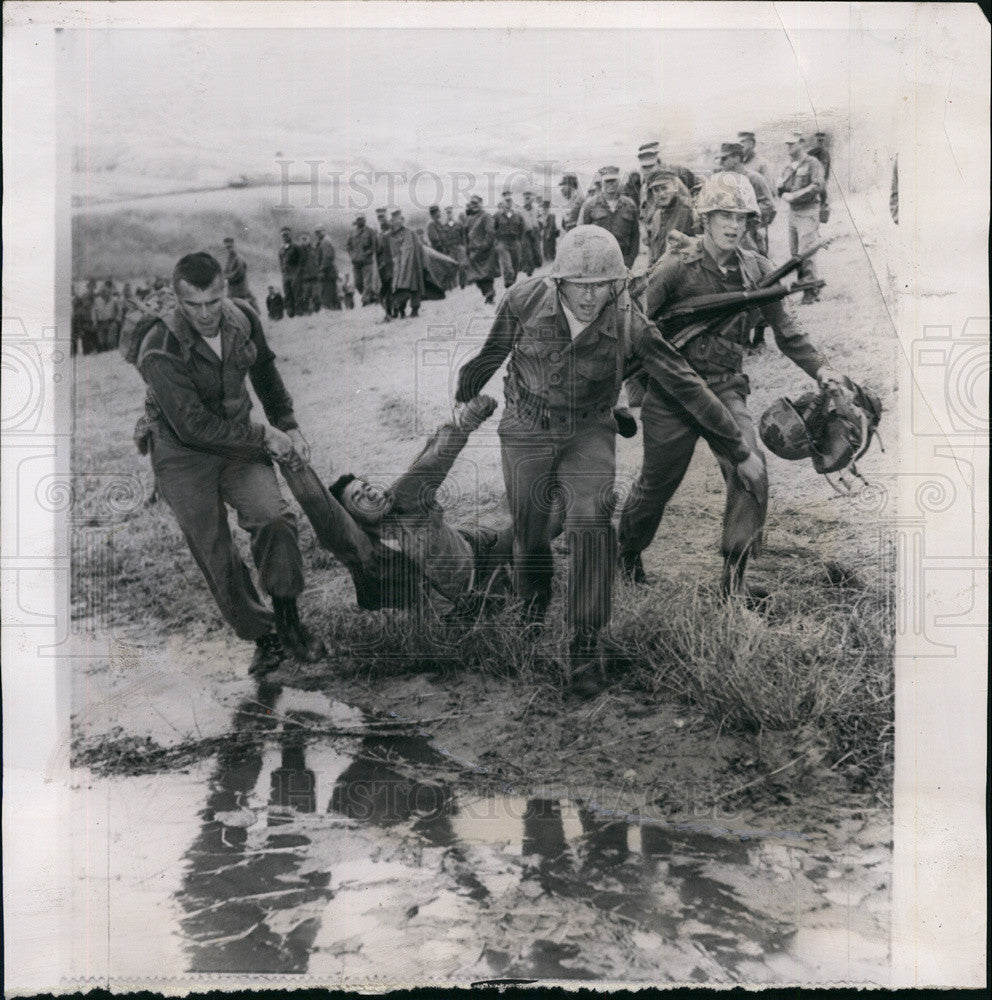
(236, 275)
(274, 304)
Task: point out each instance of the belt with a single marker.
(533, 407)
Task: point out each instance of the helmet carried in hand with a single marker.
(589, 254)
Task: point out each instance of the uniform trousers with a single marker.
(199, 487)
(508, 252)
(568, 465)
(804, 231)
(669, 441)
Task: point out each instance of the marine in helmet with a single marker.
(715, 262)
(570, 338)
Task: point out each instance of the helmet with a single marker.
(727, 191)
(832, 427)
(783, 431)
(589, 254)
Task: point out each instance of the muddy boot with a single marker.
(269, 655)
(295, 636)
(734, 586)
(586, 678)
(632, 569)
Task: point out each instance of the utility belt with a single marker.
(536, 410)
(710, 354)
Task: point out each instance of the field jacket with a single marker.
(200, 402)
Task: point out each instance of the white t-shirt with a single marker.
(575, 325)
(216, 344)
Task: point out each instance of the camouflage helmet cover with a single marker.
(783, 431)
(727, 191)
(589, 254)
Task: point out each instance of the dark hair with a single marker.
(336, 489)
(200, 270)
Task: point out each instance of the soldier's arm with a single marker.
(790, 337)
(266, 380)
(672, 374)
(184, 412)
(662, 281)
(476, 372)
(582, 218)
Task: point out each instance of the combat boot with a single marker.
(269, 654)
(734, 585)
(632, 568)
(586, 677)
(295, 636)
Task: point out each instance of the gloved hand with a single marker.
(625, 421)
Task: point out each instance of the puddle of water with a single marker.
(337, 855)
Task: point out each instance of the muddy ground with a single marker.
(635, 836)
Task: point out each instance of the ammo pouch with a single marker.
(711, 354)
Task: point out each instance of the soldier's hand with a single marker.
(830, 378)
(277, 443)
(751, 473)
(300, 445)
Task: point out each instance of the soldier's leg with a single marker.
(507, 269)
(669, 442)
(289, 295)
(793, 235)
(586, 471)
(528, 472)
(744, 514)
(414, 303)
(190, 483)
(807, 234)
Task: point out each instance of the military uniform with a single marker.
(669, 438)
(289, 267)
(621, 220)
(508, 227)
(558, 433)
(236, 276)
(207, 454)
(805, 176)
(361, 250)
(480, 252)
(328, 273)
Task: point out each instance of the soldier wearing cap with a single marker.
(569, 338)
(307, 278)
(508, 225)
(820, 151)
(327, 269)
(530, 257)
(384, 264)
(732, 158)
(751, 160)
(480, 248)
(715, 262)
(671, 210)
(455, 230)
(236, 274)
(569, 187)
(801, 185)
(649, 158)
(361, 250)
(408, 266)
(289, 267)
(614, 212)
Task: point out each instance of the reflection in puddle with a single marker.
(324, 847)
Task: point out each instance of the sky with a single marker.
(234, 99)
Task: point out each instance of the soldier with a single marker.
(508, 224)
(615, 213)
(236, 274)
(274, 304)
(716, 262)
(384, 264)
(327, 270)
(569, 187)
(307, 278)
(820, 151)
(455, 229)
(207, 455)
(530, 259)
(549, 231)
(800, 185)
(480, 249)
(437, 235)
(671, 210)
(348, 292)
(361, 250)
(289, 267)
(569, 337)
(649, 158)
(408, 267)
(104, 320)
(732, 158)
(751, 160)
